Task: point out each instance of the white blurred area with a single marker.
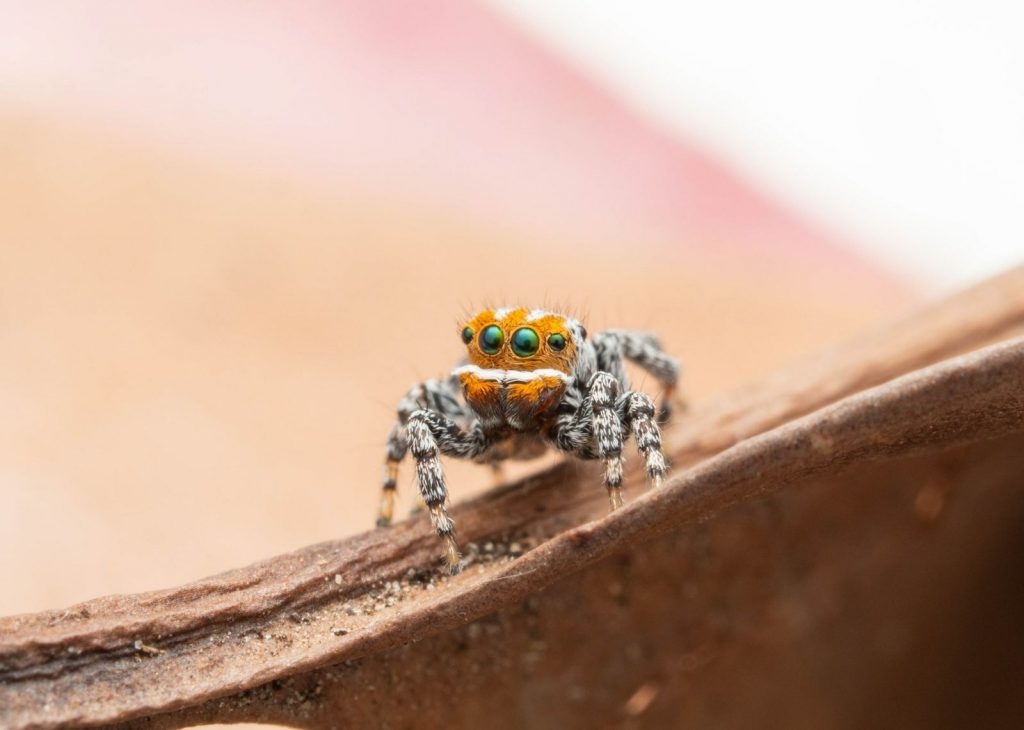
(897, 124)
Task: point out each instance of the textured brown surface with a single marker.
(888, 596)
(126, 656)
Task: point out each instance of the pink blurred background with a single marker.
(233, 234)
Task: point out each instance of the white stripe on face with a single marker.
(510, 376)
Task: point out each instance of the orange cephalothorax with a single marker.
(521, 339)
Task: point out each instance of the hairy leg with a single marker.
(608, 434)
(430, 434)
(639, 417)
(594, 431)
(397, 446)
(644, 349)
(438, 395)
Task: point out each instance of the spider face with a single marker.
(521, 361)
(521, 340)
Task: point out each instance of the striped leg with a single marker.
(608, 433)
(430, 434)
(437, 395)
(593, 430)
(639, 410)
(644, 349)
(397, 446)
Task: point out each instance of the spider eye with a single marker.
(467, 335)
(491, 339)
(556, 342)
(525, 342)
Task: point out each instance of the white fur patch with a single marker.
(511, 376)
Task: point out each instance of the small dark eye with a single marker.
(467, 335)
(556, 342)
(491, 339)
(525, 342)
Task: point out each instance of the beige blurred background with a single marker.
(213, 292)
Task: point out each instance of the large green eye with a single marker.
(467, 335)
(525, 342)
(491, 339)
(556, 342)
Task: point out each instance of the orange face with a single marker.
(520, 339)
(521, 361)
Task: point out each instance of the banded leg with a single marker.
(639, 411)
(397, 446)
(592, 429)
(431, 434)
(608, 433)
(644, 349)
(437, 395)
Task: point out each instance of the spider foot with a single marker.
(452, 557)
(387, 494)
(446, 531)
(387, 507)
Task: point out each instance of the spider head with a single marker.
(522, 339)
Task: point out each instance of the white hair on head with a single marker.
(511, 376)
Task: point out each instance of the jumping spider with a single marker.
(532, 380)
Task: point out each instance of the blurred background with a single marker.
(233, 233)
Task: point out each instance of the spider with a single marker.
(532, 379)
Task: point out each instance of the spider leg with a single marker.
(439, 395)
(397, 446)
(644, 349)
(430, 434)
(594, 431)
(639, 417)
(608, 433)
